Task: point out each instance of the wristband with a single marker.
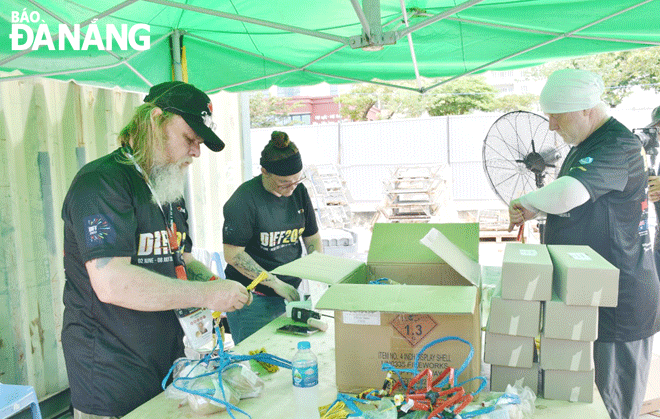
(263, 275)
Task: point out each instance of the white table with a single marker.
(276, 401)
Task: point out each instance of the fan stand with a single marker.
(519, 153)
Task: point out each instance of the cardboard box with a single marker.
(514, 317)
(561, 321)
(526, 272)
(507, 350)
(582, 277)
(572, 386)
(378, 324)
(652, 395)
(562, 354)
(501, 376)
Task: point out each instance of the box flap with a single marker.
(456, 257)
(400, 298)
(320, 267)
(399, 242)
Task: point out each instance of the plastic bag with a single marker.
(184, 374)
(517, 402)
(386, 410)
(417, 414)
(209, 387)
(245, 381)
(527, 399)
(196, 382)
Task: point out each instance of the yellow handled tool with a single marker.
(263, 275)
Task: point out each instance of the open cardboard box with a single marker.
(377, 324)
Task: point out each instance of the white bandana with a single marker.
(571, 90)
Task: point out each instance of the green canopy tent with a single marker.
(231, 45)
(251, 45)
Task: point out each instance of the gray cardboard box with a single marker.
(507, 350)
(582, 277)
(561, 321)
(526, 272)
(501, 376)
(562, 354)
(514, 317)
(572, 386)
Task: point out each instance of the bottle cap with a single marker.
(303, 344)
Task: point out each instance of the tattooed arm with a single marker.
(313, 243)
(195, 269)
(243, 263)
(116, 281)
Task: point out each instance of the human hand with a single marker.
(227, 295)
(654, 188)
(284, 290)
(518, 214)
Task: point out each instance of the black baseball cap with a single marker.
(193, 105)
(655, 117)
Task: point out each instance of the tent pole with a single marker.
(176, 56)
(246, 141)
(410, 44)
(177, 75)
(363, 19)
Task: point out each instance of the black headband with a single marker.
(284, 167)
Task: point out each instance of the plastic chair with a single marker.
(15, 398)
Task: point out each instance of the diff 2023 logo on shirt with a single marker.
(29, 31)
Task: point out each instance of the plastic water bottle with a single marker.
(305, 372)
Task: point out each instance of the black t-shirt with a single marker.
(614, 222)
(116, 358)
(269, 227)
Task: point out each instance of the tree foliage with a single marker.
(461, 96)
(515, 102)
(457, 97)
(268, 111)
(621, 71)
(356, 105)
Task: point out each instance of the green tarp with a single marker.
(254, 44)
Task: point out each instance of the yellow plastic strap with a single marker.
(263, 275)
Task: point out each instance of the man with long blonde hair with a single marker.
(128, 255)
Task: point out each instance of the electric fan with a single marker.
(520, 154)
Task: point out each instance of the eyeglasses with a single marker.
(287, 185)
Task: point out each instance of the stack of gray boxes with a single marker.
(515, 315)
(582, 280)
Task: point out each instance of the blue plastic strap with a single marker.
(224, 360)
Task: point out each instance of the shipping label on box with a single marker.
(561, 321)
(514, 317)
(570, 355)
(501, 377)
(572, 386)
(582, 277)
(526, 272)
(509, 351)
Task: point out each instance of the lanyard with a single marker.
(179, 264)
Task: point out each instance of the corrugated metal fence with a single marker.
(367, 152)
(48, 129)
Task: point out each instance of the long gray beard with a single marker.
(168, 182)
